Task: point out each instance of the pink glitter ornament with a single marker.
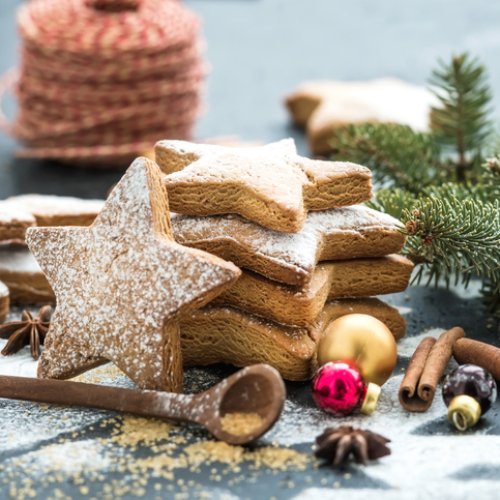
(340, 389)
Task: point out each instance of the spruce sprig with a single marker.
(393, 202)
(461, 120)
(438, 184)
(453, 238)
(491, 178)
(396, 154)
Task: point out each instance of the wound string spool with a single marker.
(102, 80)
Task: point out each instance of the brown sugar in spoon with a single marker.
(255, 389)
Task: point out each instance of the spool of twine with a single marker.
(102, 80)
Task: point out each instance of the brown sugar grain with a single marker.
(241, 424)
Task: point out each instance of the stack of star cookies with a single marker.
(309, 252)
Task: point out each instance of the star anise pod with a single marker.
(337, 444)
(29, 331)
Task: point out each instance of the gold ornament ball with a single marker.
(363, 341)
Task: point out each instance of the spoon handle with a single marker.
(147, 403)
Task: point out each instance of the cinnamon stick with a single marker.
(426, 367)
(437, 362)
(408, 396)
(478, 353)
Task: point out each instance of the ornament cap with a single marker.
(464, 412)
(371, 399)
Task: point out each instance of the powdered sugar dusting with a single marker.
(383, 100)
(117, 284)
(18, 259)
(300, 251)
(13, 215)
(273, 174)
(48, 205)
(270, 170)
(31, 423)
(20, 364)
(68, 457)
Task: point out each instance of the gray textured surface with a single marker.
(259, 50)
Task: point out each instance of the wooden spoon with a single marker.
(256, 389)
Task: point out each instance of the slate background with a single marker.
(260, 50)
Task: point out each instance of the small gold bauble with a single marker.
(363, 341)
(464, 412)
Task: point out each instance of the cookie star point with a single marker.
(122, 284)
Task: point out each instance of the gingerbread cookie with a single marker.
(226, 335)
(292, 305)
(22, 275)
(18, 213)
(229, 141)
(335, 234)
(270, 185)
(323, 106)
(4, 301)
(56, 210)
(13, 224)
(122, 284)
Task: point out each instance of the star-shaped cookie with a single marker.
(270, 185)
(335, 234)
(299, 306)
(226, 335)
(322, 106)
(17, 213)
(122, 284)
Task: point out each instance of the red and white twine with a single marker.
(102, 80)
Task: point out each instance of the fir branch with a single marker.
(491, 178)
(393, 202)
(461, 120)
(461, 192)
(397, 155)
(491, 296)
(453, 238)
(492, 145)
(448, 204)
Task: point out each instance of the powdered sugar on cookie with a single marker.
(324, 106)
(18, 213)
(271, 185)
(56, 210)
(12, 215)
(55, 205)
(18, 259)
(13, 224)
(335, 234)
(122, 283)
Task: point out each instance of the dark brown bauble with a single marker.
(468, 392)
